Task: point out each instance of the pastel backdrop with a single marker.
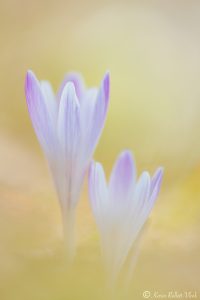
(151, 49)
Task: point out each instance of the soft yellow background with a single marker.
(152, 49)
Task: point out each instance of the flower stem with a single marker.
(69, 234)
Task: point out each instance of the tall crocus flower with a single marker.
(121, 207)
(68, 126)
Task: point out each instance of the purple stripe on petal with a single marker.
(106, 87)
(157, 177)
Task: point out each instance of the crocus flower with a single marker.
(121, 207)
(68, 126)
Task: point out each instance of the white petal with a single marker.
(98, 193)
(49, 97)
(78, 83)
(69, 139)
(69, 121)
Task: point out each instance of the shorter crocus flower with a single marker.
(68, 126)
(121, 207)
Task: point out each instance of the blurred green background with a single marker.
(152, 51)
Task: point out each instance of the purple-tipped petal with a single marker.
(141, 192)
(78, 82)
(41, 113)
(149, 203)
(100, 111)
(93, 110)
(103, 97)
(122, 179)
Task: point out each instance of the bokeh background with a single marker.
(152, 51)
